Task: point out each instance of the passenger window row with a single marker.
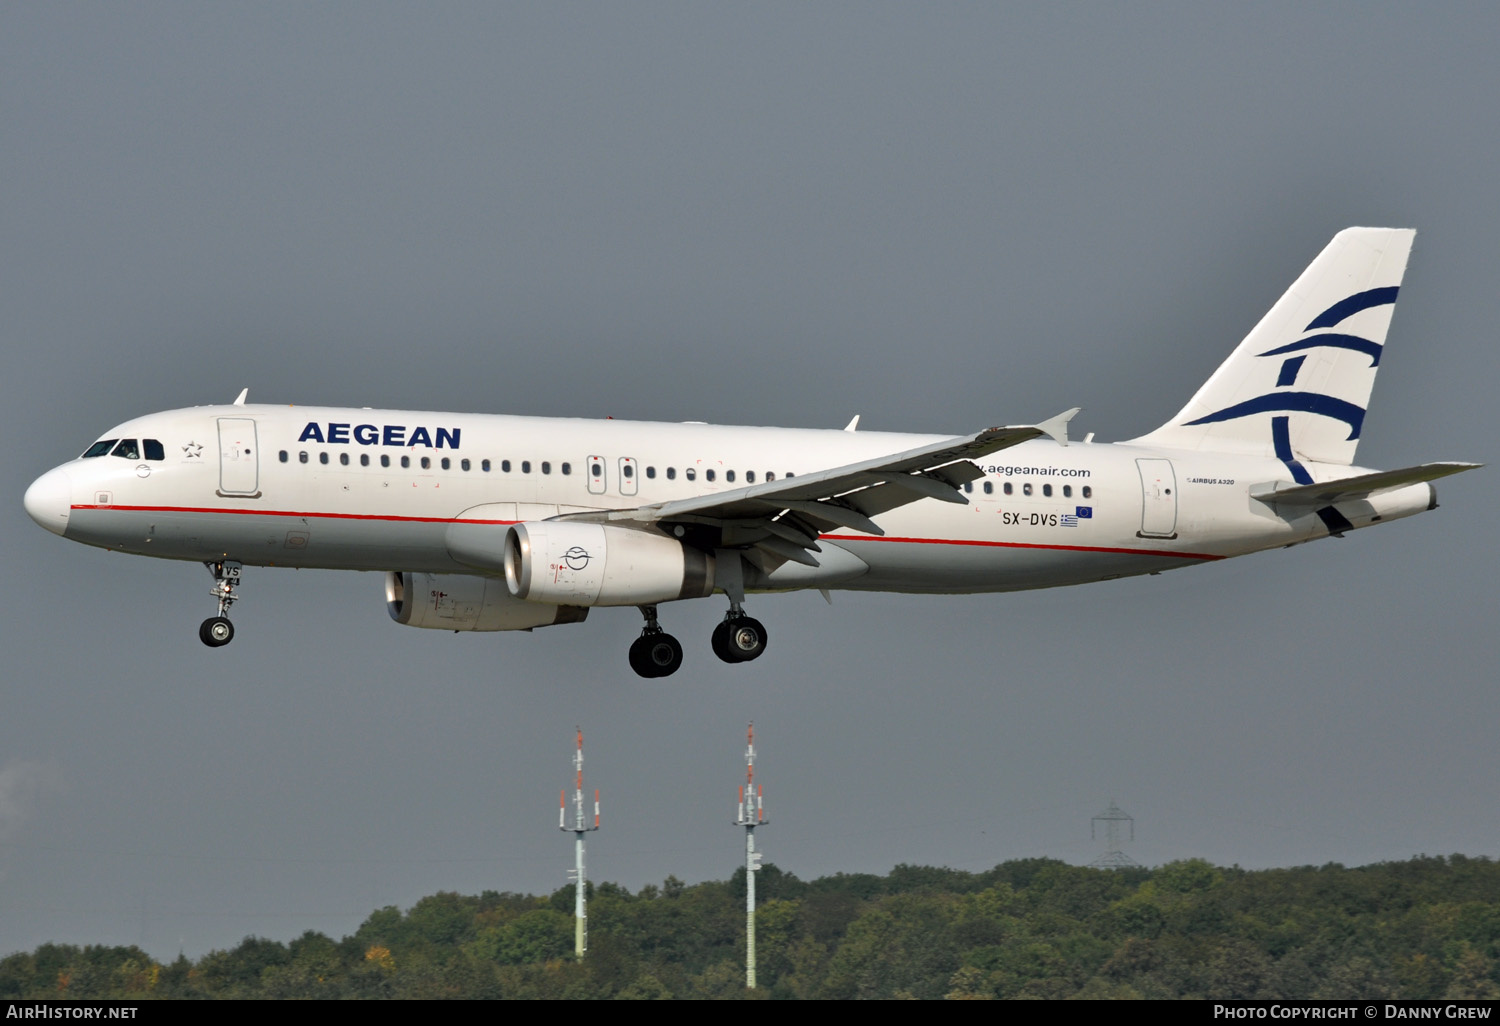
(1008, 488)
(445, 463)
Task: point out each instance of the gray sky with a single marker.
(940, 217)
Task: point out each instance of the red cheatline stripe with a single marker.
(1168, 554)
(295, 513)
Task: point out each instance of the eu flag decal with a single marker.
(1085, 512)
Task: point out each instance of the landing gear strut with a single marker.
(738, 638)
(655, 653)
(217, 631)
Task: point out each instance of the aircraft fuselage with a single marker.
(346, 489)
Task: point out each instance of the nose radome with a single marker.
(49, 500)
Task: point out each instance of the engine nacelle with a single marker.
(583, 564)
(458, 602)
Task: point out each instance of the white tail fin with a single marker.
(1298, 386)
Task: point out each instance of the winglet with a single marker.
(244, 392)
(1057, 427)
(853, 425)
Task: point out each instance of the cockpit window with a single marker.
(127, 449)
(100, 448)
(154, 449)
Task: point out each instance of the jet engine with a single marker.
(584, 564)
(458, 602)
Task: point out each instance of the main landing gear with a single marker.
(655, 653)
(737, 639)
(217, 631)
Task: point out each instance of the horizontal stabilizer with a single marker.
(1327, 493)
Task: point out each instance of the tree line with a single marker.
(1425, 928)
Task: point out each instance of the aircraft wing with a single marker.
(1329, 492)
(780, 520)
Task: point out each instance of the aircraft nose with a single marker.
(49, 500)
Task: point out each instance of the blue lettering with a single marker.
(395, 434)
(366, 434)
(419, 436)
(311, 433)
(338, 433)
(450, 437)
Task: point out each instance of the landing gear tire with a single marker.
(216, 631)
(739, 639)
(719, 642)
(656, 655)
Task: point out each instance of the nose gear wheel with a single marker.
(217, 631)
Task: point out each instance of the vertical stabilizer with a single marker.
(1298, 386)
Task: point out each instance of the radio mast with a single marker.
(580, 827)
(1113, 857)
(752, 814)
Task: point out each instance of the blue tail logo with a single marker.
(1313, 402)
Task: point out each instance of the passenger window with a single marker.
(1047, 490)
(770, 475)
(505, 466)
(484, 465)
(127, 449)
(154, 450)
(364, 459)
(100, 448)
(596, 470)
(283, 456)
(729, 476)
(447, 464)
(464, 464)
(567, 468)
(788, 474)
(1009, 488)
(1067, 491)
(628, 471)
(690, 473)
(651, 473)
(385, 461)
(323, 458)
(426, 462)
(1026, 488)
(1088, 492)
(344, 459)
(989, 488)
(708, 474)
(749, 477)
(671, 473)
(405, 462)
(525, 466)
(546, 467)
(302, 457)
(969, 486)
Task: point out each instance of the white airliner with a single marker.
(496, 523)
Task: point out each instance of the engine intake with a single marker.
(583, 564)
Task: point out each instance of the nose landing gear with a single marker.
(217, 631)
